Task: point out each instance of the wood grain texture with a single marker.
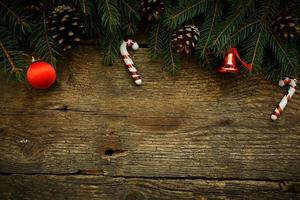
(198, 124)
(84, 187)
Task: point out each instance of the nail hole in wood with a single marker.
(64, 108)
(109, 152)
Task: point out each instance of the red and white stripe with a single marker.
(293, 84)
(129, 63)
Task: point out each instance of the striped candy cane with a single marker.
(287, 81)
(129, 63)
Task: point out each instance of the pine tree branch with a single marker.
(180, 14)
(229, 23)
(204, 48)
(243, 28)
(156, 49)
(170, 59)
(108, 57)
(172, 63)
(283, 51)
(19, 20)
(43, 43)
(47, 39)
(112, 49)
(84, 7)
(154, 40)
(130, 8)
(257, 43)
(110, 15)
(14, 17)
(14, 68)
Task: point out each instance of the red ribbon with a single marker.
(235, 52)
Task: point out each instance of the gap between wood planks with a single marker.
(284, 185)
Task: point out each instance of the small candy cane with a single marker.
(287, 81)
(129, 63)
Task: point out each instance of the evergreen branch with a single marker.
(43, 43)
(257, 44)
(110, 14)
(111, 49)
(171, 62)
(240, 35)
(47, 39)
(255, 48)
(285, 58)
(14, 68)
(130, 15)
(227, 26)
(182, 13)
(84, 7)
(108, 57)
(211, 27)
(130, 9)
(11, 59)
(154, 40)
(239, 13)
(173, 65)
(11, 12)
(14, 18)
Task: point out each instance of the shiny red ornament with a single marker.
(41, 75)
(230, 62)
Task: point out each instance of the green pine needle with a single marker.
(44, 45)
(170, 57)
(12, 60)
(182, 13)
(15, 18)
(207, 30)
(156, 40)
(109, 13)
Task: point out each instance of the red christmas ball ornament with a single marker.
(41, 75)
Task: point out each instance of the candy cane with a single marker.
(287, 81)
(129, 63)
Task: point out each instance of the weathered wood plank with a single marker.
(197, 124)
(16, 187)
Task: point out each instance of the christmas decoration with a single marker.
(47, 29)
(230, 63)
(66, 26)
(185, 39)
(285, 24)
(41, 75)
(152, 9)
(129, 63)
(293, 84)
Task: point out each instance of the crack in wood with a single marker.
(283, 185)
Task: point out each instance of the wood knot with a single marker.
(2, 130)
(109, 152)
(225, 122)
(133, 196)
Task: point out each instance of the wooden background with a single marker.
(95, 135)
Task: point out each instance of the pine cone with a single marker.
(152, 9)
(185, 39)
(66, 26)
(285, 24)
